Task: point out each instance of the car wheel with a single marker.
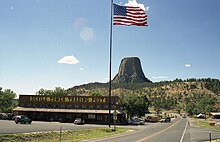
(16, 122)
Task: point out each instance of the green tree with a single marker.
(40, 92)
(60, 92)
(96, 94)
(57, 92)
(205, 105)
(200, 105)
(179, 107)
(190, 108)
(6, 100)
(135, 105)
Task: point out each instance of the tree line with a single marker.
(136, 98)
(6, 100)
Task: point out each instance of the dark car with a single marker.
(3, 116)
(22, 119)
(79, 121)
(165, 120)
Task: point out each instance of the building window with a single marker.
(90, 107)
(83, 107)
(106, 107)
(69, 106)
(106, 118)
(91, 116)
(99, 117)
(98, 107)
(35, 105)
(63, 106)
(69, 116)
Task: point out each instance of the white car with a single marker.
(136, 121)
(79, 121)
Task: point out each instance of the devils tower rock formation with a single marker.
(130, 71)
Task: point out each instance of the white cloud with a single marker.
(87, 33)
(147, 8)
(188, 65)
(134, 3)
(68, 60)
(160, 77)
(79, 22)
(81, 69)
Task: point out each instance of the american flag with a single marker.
(129, 15)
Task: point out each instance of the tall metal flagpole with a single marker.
(110, 67)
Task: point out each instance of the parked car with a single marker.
(200, 116)
(165, 120)
(3, 116)
(79, 121)
(22, 119)
(136, 121)
(152, 118)
(10, 116)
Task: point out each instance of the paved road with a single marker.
(9, 127)
(178, 130)
(156, 132)
(200, 135)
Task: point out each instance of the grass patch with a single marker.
(67, 136)
(205, 124)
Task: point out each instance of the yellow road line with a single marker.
(122, 135)
(141, 140)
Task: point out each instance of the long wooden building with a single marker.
(92, 109)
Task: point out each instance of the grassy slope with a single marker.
(204, 123)
(67, 136)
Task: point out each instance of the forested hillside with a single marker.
(182, 95)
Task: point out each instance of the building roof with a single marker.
(65, 110)
(215, 113)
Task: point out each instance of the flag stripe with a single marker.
(130, 19)
(128, 15)
(134, 16)
(128, 22)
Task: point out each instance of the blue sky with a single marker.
(38, 36)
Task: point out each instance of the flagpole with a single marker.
(110, 67)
